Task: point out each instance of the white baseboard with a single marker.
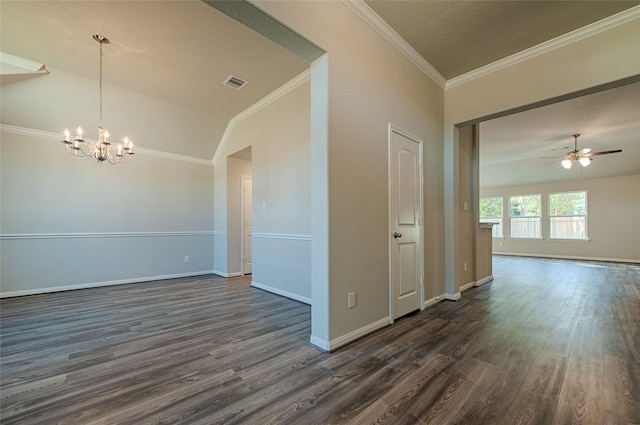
(281, 292)
(322, 344)
(334, 344)
(433, 301)
(453, 297)
(570, 257)
(223, 274)
(99, 284)
(467, 286)
(484, 280)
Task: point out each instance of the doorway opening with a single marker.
(247, 226)
(239, 205)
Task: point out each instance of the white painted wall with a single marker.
(598, 59)
(236, 168)
(279, 134)
(369, 85)
(69, 223)
(613, 220)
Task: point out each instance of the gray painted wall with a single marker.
(67, 223)
(613, 214)
(278, 134)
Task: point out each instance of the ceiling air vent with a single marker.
(234, 82)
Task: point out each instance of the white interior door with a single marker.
(405, 197)
(247, 190)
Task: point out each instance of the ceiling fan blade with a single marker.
(603, 152)
(584, 151)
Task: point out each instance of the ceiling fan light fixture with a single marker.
(584, 161)
(567, 163)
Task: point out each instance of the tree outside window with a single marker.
(568, 215)
(491, 212)
(525, 216)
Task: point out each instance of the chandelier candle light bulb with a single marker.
(102, 150)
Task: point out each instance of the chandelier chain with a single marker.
(100, 84)
(103, 149)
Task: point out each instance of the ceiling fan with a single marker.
(583, 156)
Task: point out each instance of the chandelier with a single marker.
(102, 149)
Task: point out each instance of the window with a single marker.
(568, 215)
(491, 212)
(524, 217)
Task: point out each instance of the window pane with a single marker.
(491, 212)
(568, 228)
(524, 206)
(525, 227)
(567, 204)
(491, 207)
(567, 215)
(525, 216)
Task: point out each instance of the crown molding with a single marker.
(49, 135)
(548, 46)
(360, 8)
(270, 98)
(27, 65)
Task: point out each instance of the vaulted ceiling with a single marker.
(182, 51)
(178, 51)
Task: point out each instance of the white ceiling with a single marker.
(181, 51)
(178, 51)
(527, 147)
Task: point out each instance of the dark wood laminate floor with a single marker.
(547, 342)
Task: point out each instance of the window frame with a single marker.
(498, 224)
(539, 236)
(585, 215)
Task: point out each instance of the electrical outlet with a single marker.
(465, 267)
(186, 258)
(351, 301)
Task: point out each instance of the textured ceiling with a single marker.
(456, 37)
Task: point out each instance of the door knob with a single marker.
(397, 235)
